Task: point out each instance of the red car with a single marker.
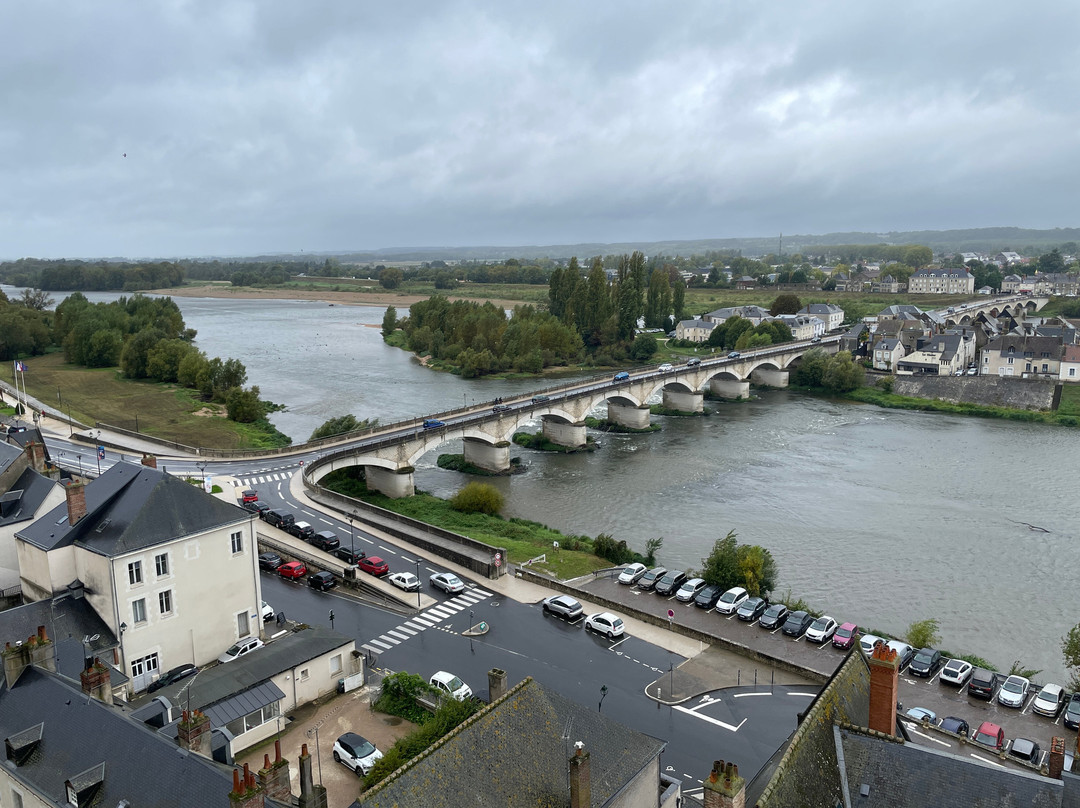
(845, 636)
(292, 569)
(250, 495)
(373, 565)
(990, 735)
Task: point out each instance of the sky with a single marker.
(243, 127)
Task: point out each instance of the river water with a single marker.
(877, 516)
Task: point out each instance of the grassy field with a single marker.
(162, 410)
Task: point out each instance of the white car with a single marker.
(605, 623)
(821, 630)
(241, 648)
(664, 368)
(267, 611)
(356, 752)
(451, 685)
(632, 574)
(867, 643)
(1014, 691)
(688, 591)
(957, 672)
(1049, 701)
(731, 600)
(406, 581)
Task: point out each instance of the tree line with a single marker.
(97, 276)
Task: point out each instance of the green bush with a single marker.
(478, 498)
(398, 697)
(924, 633)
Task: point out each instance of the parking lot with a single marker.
(942, 698)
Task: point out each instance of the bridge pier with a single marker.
(391, 483)
(683, 401)
(488, 456)
(729, 388)
(630, 416)
(770, 378)
(564, 434)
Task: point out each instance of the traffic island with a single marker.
(604, 425)
(540, 443)
(457, 462)
(660, 409)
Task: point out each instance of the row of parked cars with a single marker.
(564, 606)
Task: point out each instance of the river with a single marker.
(878, 516)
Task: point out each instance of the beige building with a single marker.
(170, 569)
(1024, 356)
(942, 281)
(25, 493)
(887, 352)
(803, 326)
(1070, 364)
(694, 330)
(829, 313)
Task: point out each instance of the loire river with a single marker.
(878, 516)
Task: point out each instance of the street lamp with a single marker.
(603, 693)
(418, 583)
(79, 458)
(352, 543)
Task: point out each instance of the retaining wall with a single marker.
(997, 391)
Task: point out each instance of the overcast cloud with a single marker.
(264, 126)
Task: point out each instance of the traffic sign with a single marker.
(498, 559)
(101, 452)
(670, 614)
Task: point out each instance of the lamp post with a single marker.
(78, 457)
(603, 694)
(418, 583)
(352, 544)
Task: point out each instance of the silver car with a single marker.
(1014, 691)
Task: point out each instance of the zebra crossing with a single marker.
(267, 478)
(425, 620)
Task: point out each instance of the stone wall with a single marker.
(997, 391)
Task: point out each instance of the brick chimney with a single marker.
(96, 681)
(311, 796)
(16, 660)
(580, 778)
(1057, 757)
(37, 650)
(149, 460)
(884, 680)
(246, 792)
(42, 651)
(76, 500)
(274, 777)
(194, 732)
(724, 788)
(36, 453)
(496, 684)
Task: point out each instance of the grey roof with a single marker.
(902, 774)
(64, 617)
(224, 681)
(820, 308)
(903, 311)
(30, 435)
(81, 733)
(514, 754)
(697, 324)
(25, 496)
(942, 272)
(131, 507)
(244, 703)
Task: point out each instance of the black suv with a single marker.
(670, 582)
(302, 530)
(255, 507)
(325, 540)
(982, 683)
(278, 518)
(349, 556)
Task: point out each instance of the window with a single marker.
(135, 573)
(1046, 368)
(16, 799)
(161, 564)
(237, 540)
(242, 628)
(304, 674)
(1010, 360)
(1072, 371)
(165, 604)
(335, 664)
(138, 611)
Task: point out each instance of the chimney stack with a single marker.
(16, 660)
(246, 792)
(149, 460)
(311, 796)
(194, 732)
(1056, 763)
(274, 777)
(496, 684)
(76, 500)
(580, 778)
(884, 682)
(724, 788)
(42, 651)
(96, 681)
(36, 453)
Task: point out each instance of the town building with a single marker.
(1022, 355)
(26, 492)
(829, 313)
(941, 281)
(802, 326)
(755, 314)
(694, 330)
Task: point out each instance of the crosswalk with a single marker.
(425, 620)
(267, 478)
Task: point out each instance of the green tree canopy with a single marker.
(341, 425)
(747, 565)
(389, 321)
(478, 498)
(391, 278)
(785, 303)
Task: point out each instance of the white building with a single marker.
(802, 326)
(942, 281)
(829, 313)
(694, 330)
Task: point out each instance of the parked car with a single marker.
(982, 683)
(606, 623)
(292, 569)
(708, 596)
(447, 582)
(269, 561)
(249, 495)
(540, 399)
(957, 672)
(632, 573)
(621, 376)
(325, 541)
(241, 648)
(1049, 701)
(649, 579)
(693, 361)
(322, 580)
(562, 606)
(774, 616)
(432, 423)
(356, 752)
(751, 609)
(1071, 719)
(731, 600)
(922, 714)
(797, 623)
(989, 734)
(173, 675)
(847, 634)
(280, 519)
(688, 591)
(868, 642)
(821, 630)
(348, 555)
(951, 723)
(302, 530)
(926, 662)
(406, 581)
(734, 355)
(1014, 691)
(373, 565)
(671, 581)
(1025, 750)
(450, 685)
(255, 507)
(267, 611)
(664, 368)
(904, 653)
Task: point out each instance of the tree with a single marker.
(391, 278)
(722, 565)
(389, 322)
(1070, 648)
(786, 303)
(678, 299)
(37, 300)
(1049, 262)
(917, 256)
(811, 368)
(643, 346)
(134, 357)
(842, 374)
(757, 569)
(924, 633)
(243, 405)
(657, 299)
(478, 498)
(341, 425)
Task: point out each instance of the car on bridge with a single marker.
(540, 399)
(693, 361)
(666, 367)
(500, 408)
(733, 355)
(433, 423)
(622, 376)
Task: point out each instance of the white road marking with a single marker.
(372, 648)
(438, 618)
(457, 607)
(811, 695)
(326, 521)
(388, 552)
(740, 695)
(711, 720)
(913, 731)
(384, 638)
(399, 636)
(421, 621)
(407, 630)
(987, 760)
(382, 646)
(369, 541)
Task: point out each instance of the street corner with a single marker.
(677, 686)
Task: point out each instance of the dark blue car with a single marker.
(433, 423)
(622, 376)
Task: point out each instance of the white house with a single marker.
(829, 313)
(25, 493)
(694, 330)
(170, 569)
(802, 326)
(1069, 370)
(887, 352)
(942, 281)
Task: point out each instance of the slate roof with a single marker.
(64, 617)
(30, 435)
(131, 507)
(697, 324)
(81, 733)
(901, 311)
(513, 754)
(25, 496)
